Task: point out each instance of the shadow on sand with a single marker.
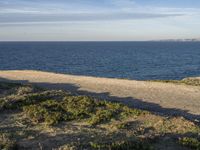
(130, 101)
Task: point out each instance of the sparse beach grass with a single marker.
(37, 118)
(186, 81)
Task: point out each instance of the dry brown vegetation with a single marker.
(35, 118)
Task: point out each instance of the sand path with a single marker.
(159, 97)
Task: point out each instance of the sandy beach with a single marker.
(169, 98)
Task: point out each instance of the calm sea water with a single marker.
(133, 60)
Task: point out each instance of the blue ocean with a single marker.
(131, 60)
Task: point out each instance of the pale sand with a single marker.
(156, 96)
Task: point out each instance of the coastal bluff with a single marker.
(171, 98)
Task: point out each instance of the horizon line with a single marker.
(162, 40)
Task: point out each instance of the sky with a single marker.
(98, 20)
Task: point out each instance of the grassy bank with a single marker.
(35, 118)
(186, 81)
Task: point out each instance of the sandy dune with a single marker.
(159, 97)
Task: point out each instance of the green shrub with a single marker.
(6, 143)
(35, 113)
(52, 111)
(190, 142)
(25, 90)
(187, 81)
(123, 125)
(76, 107)
(53, 106)
(101, 116)
(49, 112)
(122, 145)
(191, 81)
(79, 106)
(126, 111)
(19, 101)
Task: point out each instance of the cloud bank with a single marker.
(98, 20)
(22, 11)
(69, 17)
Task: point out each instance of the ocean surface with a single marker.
(132, 60)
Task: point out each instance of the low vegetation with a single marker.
(124, 145)
(186, 81)
(192, 143)
(6, 143)
(35, 118)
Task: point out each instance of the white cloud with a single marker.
(124, 19)
(123, 3)
(65, 17)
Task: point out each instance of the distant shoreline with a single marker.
(116, 78)
(113, 41)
